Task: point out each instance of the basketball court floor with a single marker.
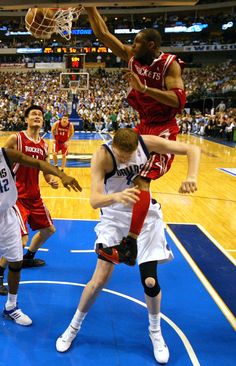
(199, 296)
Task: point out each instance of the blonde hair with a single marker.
(125, 139)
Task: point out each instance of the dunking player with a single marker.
(157, 93)
(112, 190)
(30, 206)
(62, 131)
(10, 239)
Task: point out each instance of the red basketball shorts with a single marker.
(158, 164)
(34, 212)
(60, 146)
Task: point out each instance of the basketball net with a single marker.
(73, 89)
(64, 19)
(61, 23)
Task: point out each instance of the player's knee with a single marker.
(150, 282)
(97, 285)
(46, 233)
(151, 286)
(15, 266)
(142, 183)
(148, 273)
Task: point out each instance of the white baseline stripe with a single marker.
(182, 336)
(40, 249)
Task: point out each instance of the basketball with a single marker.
(40, 22)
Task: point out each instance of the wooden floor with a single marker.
(213, 206)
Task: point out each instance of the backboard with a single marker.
(79, 80)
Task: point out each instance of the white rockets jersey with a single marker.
(8, 191)
(123, 173)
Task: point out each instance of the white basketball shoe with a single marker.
(64, 342)
(18, 316)
(160, 348)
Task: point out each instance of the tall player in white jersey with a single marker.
(10, 239)
(113, 167)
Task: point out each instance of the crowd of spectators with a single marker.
(219, 125)
(104, 106)
(210, 80)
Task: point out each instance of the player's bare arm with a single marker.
(44, 166)
(168, 97)
(49, 178)
(102, 33)
(72, 131)
(11, 142)
(164, 146)
(54, 129)
(101, 164)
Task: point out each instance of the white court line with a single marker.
(40, 249)
(101, 136)
(82, 251)
(213, 240)
(67, 198)
(180, 333)
(215, 296)
(218, 245)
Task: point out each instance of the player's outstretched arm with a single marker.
(163, 146)
(102, 33)
(18, 157)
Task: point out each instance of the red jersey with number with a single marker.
(62, 132)
(27, 179)
(150, 110)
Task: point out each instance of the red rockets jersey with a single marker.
(62, 132)
(27, 179)
(150, 110)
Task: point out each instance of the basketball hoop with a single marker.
(73, 87)
(64, 19)
(43, 22)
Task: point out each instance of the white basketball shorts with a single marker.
(152, 244)
(10, 238)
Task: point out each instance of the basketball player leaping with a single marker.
(30, 206)
(157, 93)
(62, 131)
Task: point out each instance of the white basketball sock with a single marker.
(77, 319)
(155, 322)
(11, 301)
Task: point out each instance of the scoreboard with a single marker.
(75, 62)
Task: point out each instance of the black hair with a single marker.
(33, 107)
(153, 35)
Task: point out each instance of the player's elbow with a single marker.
(102, 34)
(93, 203)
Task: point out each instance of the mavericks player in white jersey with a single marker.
(10, 239)
(113, 167)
